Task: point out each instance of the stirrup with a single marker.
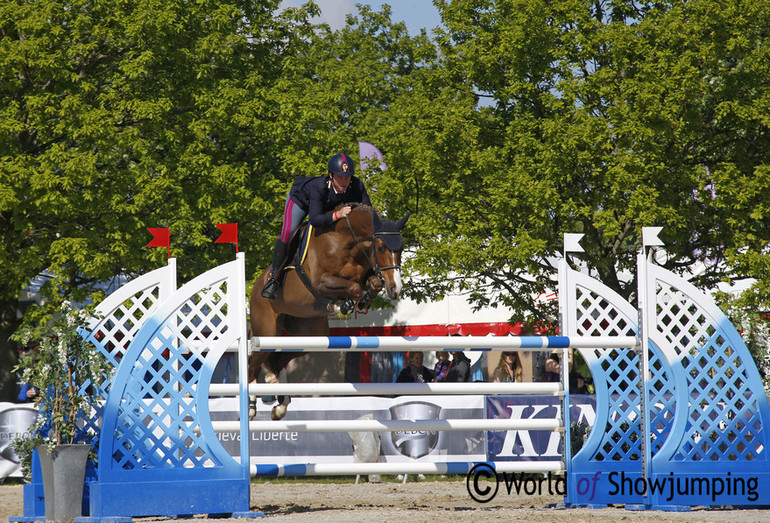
(270, 290)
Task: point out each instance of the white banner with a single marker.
(337, 447)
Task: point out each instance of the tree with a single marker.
(338, 89)
(119, 116)
(593, 117)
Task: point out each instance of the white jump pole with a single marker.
(382, 389)
(358, 425)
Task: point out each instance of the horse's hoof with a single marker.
(347, 306)
(252, 413)
(278, 412)
(365, 302)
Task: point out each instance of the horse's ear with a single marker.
(400, 223)
(377, 221)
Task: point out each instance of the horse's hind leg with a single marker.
(256, 359)
(275, 363)
(264, 322)
(279, 360)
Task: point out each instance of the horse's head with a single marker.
(387, 248)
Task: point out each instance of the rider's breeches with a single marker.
(292, 218)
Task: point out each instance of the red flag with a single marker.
(229, 234)
(161, 237)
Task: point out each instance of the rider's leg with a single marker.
(292, 217)
(270, 290)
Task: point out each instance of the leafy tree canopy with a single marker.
(594, 117)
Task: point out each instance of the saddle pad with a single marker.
(299, 256)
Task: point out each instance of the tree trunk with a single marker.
(9, 350)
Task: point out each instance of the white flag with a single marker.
(572, 242)
(650, 236)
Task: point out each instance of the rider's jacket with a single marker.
(317, 197)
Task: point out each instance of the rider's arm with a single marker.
(316, 215)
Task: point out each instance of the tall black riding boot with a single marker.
(270, 290)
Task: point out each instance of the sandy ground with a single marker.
(429, 501)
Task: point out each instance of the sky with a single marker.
(416, 14)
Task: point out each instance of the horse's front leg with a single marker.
(348, 293)
(373, 288)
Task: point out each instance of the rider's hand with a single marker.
(341, 213)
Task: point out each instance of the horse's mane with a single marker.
(355, 206)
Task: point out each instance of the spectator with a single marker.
(415, 372)
(577, 383)
(442, 365)
(552, 368)
(27, 393)
(460, 368)
(509, 369)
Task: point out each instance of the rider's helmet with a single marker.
(341, 164)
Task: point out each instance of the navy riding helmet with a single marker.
(341, 164)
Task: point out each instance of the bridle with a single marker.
(372, 256)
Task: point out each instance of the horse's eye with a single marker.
(380, 248)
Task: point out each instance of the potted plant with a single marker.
(60, 367)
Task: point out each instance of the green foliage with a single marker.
(517, 122)
(540, 118)
(117, 116)
(579, 433)
(24, 447)
(120, 116)
(60, 366)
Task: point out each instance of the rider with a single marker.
(315, 197)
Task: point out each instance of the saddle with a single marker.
(298, 245)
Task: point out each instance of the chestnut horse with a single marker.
(345, 266)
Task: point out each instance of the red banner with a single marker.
(229, 234)
(161, 237)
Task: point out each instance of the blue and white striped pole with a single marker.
(425, 343)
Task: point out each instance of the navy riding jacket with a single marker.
(316, 196)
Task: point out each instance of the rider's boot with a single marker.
(270, 289)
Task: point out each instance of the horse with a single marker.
(344, 266)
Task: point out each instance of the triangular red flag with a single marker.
(161, 237)
(229, 234)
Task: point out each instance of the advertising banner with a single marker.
(337, 447)
(442, 446)
(534, 445)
